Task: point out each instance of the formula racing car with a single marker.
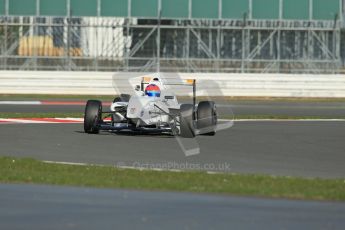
(153, 108)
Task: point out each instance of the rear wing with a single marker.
(185, 82)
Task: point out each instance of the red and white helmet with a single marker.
(153, 90)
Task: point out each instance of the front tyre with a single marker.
(92, 116)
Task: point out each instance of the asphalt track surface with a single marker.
(48, 207)
(334, 109)
(289, 148)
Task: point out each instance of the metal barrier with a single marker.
(217, 84)
(133, 44)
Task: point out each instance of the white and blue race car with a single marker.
(153, 109)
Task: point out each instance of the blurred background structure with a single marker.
(232, 36)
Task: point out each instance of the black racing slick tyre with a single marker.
(207, 118)
(187, 129)
(92, 116)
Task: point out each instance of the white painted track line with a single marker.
(128, 167)
(20, 103)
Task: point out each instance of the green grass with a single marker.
(15, 170)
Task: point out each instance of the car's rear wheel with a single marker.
(207, 118)
(187, 129)
(92, 116)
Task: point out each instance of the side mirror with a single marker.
(137, 88)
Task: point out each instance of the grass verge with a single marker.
(15, 170)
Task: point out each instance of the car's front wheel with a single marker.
(92, 116)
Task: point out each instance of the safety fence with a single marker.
(212, 84)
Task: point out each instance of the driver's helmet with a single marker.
(152, 90)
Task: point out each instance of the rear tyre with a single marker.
(92, 116)
(207, 118)
(187, 129)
